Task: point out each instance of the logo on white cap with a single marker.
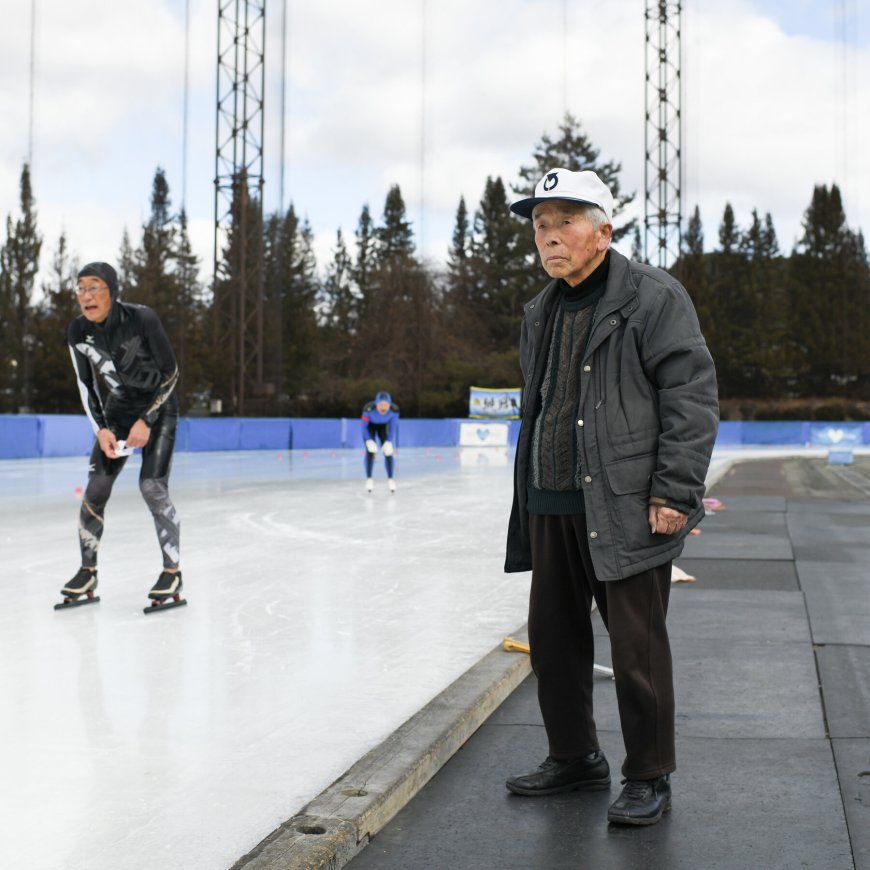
(550, 181)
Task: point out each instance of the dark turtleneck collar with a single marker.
(590, 284)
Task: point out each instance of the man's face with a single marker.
(569, 246)
(94, 298)
(383, 407)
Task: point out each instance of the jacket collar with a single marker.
(620, 290)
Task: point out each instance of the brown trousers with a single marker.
(560, 635)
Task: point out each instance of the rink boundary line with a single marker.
(340, 821)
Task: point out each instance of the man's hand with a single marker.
(371, 445)
(665, 520)
(108, 443)
(139, 434)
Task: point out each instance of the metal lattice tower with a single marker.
(238, 237)
(663, 212)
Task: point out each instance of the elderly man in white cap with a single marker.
(619, 417)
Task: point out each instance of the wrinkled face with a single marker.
(569, 246)
(383, 407)
(94, 298)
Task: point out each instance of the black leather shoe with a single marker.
(553, 776)
(642, 802)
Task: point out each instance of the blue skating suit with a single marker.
(380, 427)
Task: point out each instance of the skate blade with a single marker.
(76, 602)
(168, 605)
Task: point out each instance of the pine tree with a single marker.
(364, 263)
(726, 312)
(395, 340)
(162, 274)
(729, 236)
(693, 241)
(829, 290)
(762, 330)
(340, 305)
(126, 263)
(54, 390)
(19, 263)
(573, 150)
(692, 269)
(291, 292)
(238, 285)
(459, 253)
(338, 309)
(461, 298)
(506, 272)
(395, 239)
(189, 341)
(153, 282)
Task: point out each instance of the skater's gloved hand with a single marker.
(108, 443)
(388, 448)
(371, 447)
(139, 434)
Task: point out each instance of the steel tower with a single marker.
(238, 209)
(663, 212)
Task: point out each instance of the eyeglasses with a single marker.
(94, 291)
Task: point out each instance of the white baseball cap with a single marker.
(583, 186)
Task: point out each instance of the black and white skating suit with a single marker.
(126, 371)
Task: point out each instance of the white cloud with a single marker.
(769, 110)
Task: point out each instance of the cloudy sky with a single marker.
(434, 96)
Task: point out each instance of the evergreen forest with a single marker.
(788, 330)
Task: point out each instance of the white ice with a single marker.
(320, 618)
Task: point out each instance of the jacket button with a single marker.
(593, 534)
(613, 323)
(587, 368)
(587, 479)
(537, 323)
(579, 422)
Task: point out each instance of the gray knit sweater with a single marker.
(555, 477)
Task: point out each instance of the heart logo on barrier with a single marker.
(836, 435)
(483, 434)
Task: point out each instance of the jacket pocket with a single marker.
(629, 481)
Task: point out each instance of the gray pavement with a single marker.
(772, 676)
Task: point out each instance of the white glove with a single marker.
(388, 448)
(371, 447)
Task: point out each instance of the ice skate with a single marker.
(370, 484)
(83, 584)
(391, 484)
(166, 592)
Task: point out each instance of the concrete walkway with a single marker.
(772, 671)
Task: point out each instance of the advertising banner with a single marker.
(500, 404)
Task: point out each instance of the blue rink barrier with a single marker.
(29, 436)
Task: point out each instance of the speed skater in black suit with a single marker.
(126, 373)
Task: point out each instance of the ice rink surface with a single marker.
(320, 618)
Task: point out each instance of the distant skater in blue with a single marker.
(380, 419)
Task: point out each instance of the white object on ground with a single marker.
(680, 576)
